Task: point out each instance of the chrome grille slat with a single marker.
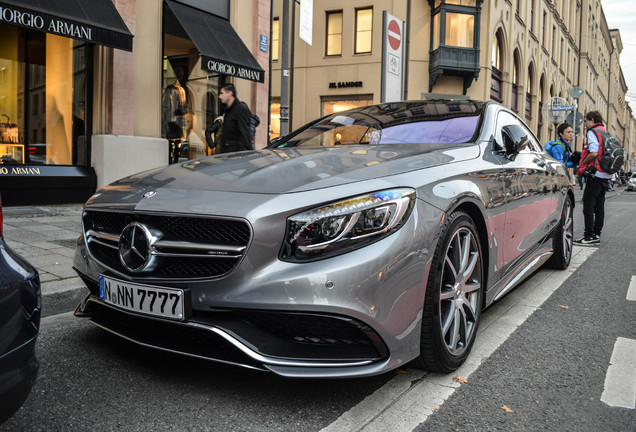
(199, 246)
(188, 248)
(101, 242)
(191, 255)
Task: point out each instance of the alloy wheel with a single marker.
(460, 291)
(568, 231)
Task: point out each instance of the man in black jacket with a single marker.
(236, 122)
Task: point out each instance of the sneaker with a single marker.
(588, 241)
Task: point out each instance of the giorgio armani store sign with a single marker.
(83, 102)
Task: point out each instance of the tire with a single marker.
(453, 301)
(563, 238)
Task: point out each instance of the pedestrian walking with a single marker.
(596, 183)
(236, 122)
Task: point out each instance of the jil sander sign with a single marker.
(45, 23)
(217, 66)
(345, 84)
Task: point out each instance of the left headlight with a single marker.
(346, 225)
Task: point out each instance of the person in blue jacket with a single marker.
(560, 149)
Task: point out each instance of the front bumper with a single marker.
(295, 344)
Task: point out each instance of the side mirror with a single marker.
(515, 139)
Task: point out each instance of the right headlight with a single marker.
(346, 225)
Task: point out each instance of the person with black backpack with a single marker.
(597, 180)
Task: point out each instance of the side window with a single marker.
(506, 119)
(503, 119)
(533, 144)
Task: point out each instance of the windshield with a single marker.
(400, 123)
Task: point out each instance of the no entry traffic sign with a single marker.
(395, 35)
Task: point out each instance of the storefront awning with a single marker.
(222, 50)
(96, 21)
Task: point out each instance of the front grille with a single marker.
(187, 247)
(194, 267)
(173, 227)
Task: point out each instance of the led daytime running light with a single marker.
(347, 224)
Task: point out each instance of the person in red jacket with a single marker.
(597, 181)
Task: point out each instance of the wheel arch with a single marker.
(570, 193)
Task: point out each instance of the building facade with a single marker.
(91, 94)
(520, 53)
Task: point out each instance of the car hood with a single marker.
(290, 170)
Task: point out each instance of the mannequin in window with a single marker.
(173, 110)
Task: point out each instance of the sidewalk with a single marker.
(46, 236)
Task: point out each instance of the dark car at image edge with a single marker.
(363, 241)
(20, 310)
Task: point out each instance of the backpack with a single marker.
(550, 144)
(550, 148)
(612, 156)
(254, 122)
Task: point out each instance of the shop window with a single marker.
(460, 30)
(529, 94)
(532, 16)
(472, 3)
(275, 38)
(454, 40)
(515, 83)
(332, 105)
(42, 98)
(545, 19)
(541, 97)
(334, 34)
(363, 31)
(189, 102)
(436, 30)
(496, 83)
(274, 121)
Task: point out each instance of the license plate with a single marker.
(145, 299)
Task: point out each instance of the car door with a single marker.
(529, 195)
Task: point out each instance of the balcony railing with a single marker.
(454, 61)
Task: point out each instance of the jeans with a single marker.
(594, 205)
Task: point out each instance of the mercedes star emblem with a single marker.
(136, 247)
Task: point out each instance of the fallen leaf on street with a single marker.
(506, 409)
(402, 371)
(565, 307)
(436, 410)
(460, 379)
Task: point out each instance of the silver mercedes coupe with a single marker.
(364, 241)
